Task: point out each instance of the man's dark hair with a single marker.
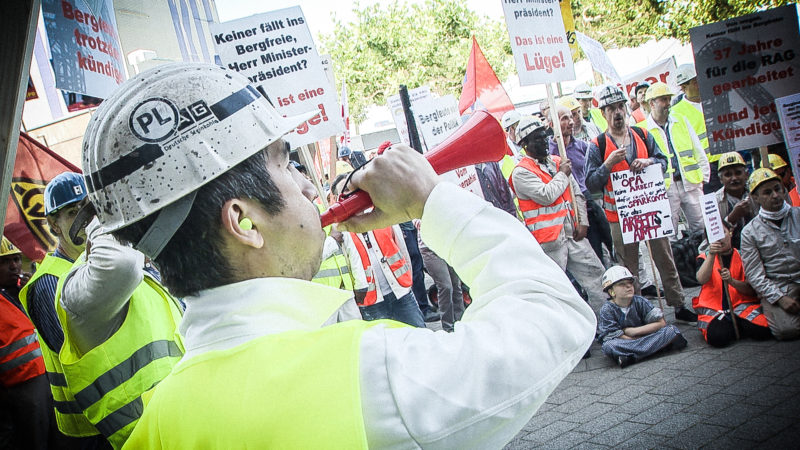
(193, 259)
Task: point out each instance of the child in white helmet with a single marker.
(629, 327)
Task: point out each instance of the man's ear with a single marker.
(233, 215)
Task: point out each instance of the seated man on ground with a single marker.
(771, 254)
(629, 327)
(722, 266)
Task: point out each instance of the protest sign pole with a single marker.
(730, 304)
(413, 133)
(305, 157)
(655, 278)
(560, 141)
(333, 157)
(762, 150)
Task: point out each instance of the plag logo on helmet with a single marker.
(154, 119)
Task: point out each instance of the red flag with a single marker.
(26, 226)
(481, 89)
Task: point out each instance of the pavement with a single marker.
(746, 395)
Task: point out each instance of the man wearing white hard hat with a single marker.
(630, 148)
(223, 214)
(687, 167)
(590, 114)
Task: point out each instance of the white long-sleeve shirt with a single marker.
(524, 332)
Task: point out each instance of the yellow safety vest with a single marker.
(334, 271)
(597, 118)
(682, 143)
(69, 416)
(697, 120)
(109, 381)
(293, 390)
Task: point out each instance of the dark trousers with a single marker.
(418, 277)
(714, 182)
(720, 333)
(403, 309)
(599, 232)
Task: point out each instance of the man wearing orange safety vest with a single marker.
(625, 148)
(541, 183)
(387, 267)
(722, 263)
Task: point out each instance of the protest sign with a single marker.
(663, 71)
(538, 41)
(598, 57)
(396, 108)
(642, 204)
(84, 44)
(743, 64)
(789, 112)
(276, 52)
(569, 27)
(711, 217)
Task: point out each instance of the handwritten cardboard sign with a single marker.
(642, 204)
(711, 217)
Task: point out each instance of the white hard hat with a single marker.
(509, 118)
(685, 73)
(527, 125)
(615, 274)
(582, 91)
(165, 133)
(610, 94)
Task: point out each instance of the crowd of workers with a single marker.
(189, 270)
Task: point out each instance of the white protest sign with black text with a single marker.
(396, 108)
(276, 52)
(642, 204)
(711, 217)
(541, 51)
(84, 44)
(742, 65)
(789, 112)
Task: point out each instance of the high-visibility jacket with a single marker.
(683, 145)
(597, 118)
(109, 381)
(697, 120)
(638, 115)
(384, 239)
(334, 271)
(708, 305)
(609, 203)
(20, 355)
(69, 416)
(308, 398)
(794, 197)
(545, 222)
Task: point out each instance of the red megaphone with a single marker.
(480, 139)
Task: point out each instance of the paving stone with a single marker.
(543, 419)
(550, 432)
(626, 395)
(567, 440)
(733, 416)
(675, 424)
(642, 403)
(642, 441)
(788, 438)
(761, 428)
(694, 395)
(789, 408)
(713, 404)
(603, 422)
(725, 442)
(772, 395)
(589, 446)
(617, 434)
(563, 394)
(657, 413)
(695, 436)
(589, 412)
(577, 403)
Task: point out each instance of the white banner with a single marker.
(276, 52)
(396, 107)
(598, 57)
(642, 204)
(541, 51)
(712, 219)
(743, 64)
(84, 43)
(663, 71)
(789, 112)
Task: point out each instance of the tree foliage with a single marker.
(416, 44)
(626, 23)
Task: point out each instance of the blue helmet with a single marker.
(344, 151)
(63, 190)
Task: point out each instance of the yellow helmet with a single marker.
(730, 159)
(760, 176)
(775, 161)
(7, 248)
(569, 102)
(657, 90)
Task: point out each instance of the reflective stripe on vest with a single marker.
(545, 222)
(69, 416)
(20, 355)
(109, 380)
(384, 239)
(710, 298)
(19, 360)
(334, 272)
(227, 399)
(683, 145)
(609, 204)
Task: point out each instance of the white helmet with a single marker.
(615, 274)
(527, 125)
(582, 91)
(165, 133)
(610, 94)
(685, 73)
(509, 118)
